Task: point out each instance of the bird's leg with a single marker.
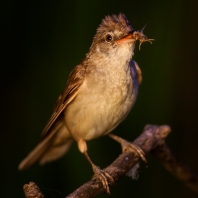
(101, 174)
(128, 146)
(98, 173)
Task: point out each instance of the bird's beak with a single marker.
(134, 36)
(126, 39)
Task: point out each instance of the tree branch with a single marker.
(31, 190)
(179, 169)
(151, 140)
(148, 140)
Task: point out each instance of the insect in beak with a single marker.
(139, 35)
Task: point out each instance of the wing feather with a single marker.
(76, 78)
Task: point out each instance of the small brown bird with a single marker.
(99, 94)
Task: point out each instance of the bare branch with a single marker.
(176, 167)
(151, 140)
(148, 140)
(31, 190)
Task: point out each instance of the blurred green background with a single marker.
(41, 41)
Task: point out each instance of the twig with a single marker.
(151, 140)
(31, 190)
(148, 140)
(176, 167)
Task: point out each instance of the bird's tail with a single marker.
(52, 147)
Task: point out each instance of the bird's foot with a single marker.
(128, 146)
(103, 176)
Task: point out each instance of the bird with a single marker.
(99, 94)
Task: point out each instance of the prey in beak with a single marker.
(139, 35)
(134, 36)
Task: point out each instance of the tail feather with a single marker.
(53, 146)
(56, 151)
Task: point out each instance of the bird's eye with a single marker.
(108, 37)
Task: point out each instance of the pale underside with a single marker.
(104, 99)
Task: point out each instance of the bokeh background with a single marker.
(42, 41)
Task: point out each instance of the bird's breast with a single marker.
(103, 101)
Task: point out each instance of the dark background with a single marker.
(40, 43)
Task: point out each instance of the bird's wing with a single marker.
(76, 78)
(138, 71)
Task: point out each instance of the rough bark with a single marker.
(151, 140)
